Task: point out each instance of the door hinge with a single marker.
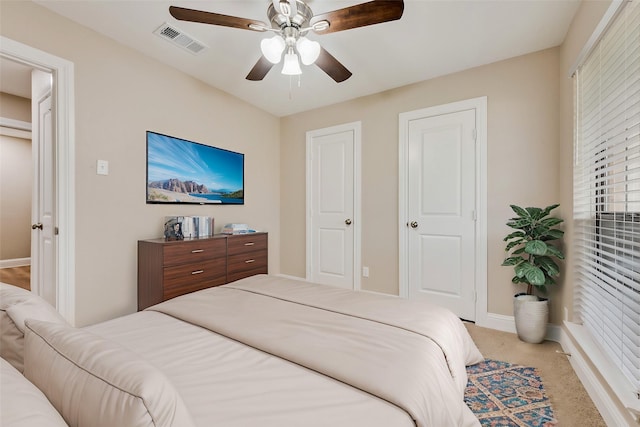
(56, 231)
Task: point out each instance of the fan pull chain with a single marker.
(290, 88)
(291, 85)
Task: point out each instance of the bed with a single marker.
(262, 351)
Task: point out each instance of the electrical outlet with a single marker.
(365, 271)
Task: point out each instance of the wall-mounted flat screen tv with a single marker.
(181, 171)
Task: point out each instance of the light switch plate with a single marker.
(102, 167)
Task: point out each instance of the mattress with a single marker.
(268, 351)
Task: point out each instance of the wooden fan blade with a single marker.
(330, 65)
(361, 15)
(214, 18)
(260, 70)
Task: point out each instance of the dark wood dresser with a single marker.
(169, 268)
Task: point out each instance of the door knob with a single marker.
(414, 224)
(347, 221)
(37, 226)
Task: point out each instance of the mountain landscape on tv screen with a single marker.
(191, 189)
(178, 186)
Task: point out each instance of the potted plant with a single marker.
(532, 254)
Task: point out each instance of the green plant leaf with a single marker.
(519, 223)
(514, 260)
(513, 244)
(518, 251)
(516, 279)
(535, 213)
(553, 235)
(522, 213)
(536, 247)
(548, 265)
(539, 231)
(552, 250)
(535, 276)
(549, 208)
(521, 269)
(514, 234)
(552, 222)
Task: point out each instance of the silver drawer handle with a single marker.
(197, 251)
(249, 261)
(249, 244)
(197, 272)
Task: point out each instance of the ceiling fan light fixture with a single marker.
(272, 48)
(291, 66)
(309, 50)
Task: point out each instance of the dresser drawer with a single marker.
(244, 265)
(190, 251)
(167, 269)
(179, 276)
(249, 243)
(169, 293)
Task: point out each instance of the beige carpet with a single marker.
(571, 404)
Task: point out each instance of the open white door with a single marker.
(62, 81)
(43, 245)
(332, 206)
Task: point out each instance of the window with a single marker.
(607, 194)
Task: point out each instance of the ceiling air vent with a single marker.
(179, 38)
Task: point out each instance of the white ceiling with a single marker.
(433, 38)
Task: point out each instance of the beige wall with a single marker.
(15, 197)
(15, 107)
(523, 127)
(119, 94)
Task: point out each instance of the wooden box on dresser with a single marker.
(170, 268)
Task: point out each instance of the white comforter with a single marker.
(310, 355)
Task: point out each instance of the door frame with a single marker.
(356, 127)
(63, 104)
(480, 106)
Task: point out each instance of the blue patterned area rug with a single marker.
(503, 395)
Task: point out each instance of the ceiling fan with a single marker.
(291, 20)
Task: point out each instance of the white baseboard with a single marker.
(16, 262)
(287, 276)
(499, 322)
(503, 323)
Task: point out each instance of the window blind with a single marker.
(607, 193)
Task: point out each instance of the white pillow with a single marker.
(94, 382)
(17, 305)
(22, 404)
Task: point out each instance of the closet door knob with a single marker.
(37, 226)
(347, 221)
